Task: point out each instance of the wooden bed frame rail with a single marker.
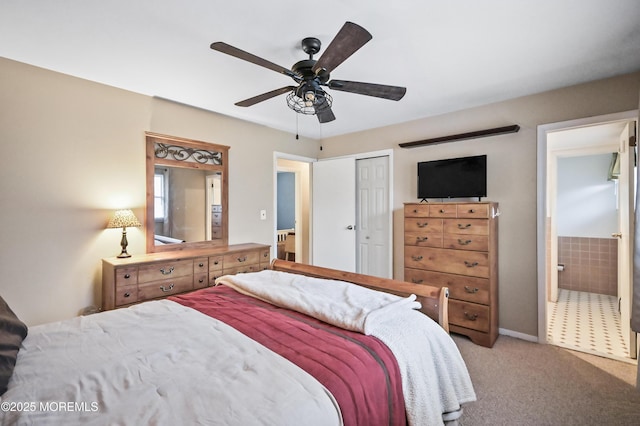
(434, 300)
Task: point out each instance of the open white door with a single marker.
(334, 207)
(625, 236)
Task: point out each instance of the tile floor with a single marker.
(587, 322)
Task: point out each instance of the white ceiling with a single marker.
(450, 54)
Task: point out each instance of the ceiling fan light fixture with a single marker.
(311, 103)
(310, 97)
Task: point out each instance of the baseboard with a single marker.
(518, 335)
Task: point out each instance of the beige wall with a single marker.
(72, 152)
(511, 172)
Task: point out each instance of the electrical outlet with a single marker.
(263, 215)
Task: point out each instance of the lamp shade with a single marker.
(123, 218)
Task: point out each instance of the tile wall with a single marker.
(590, 264)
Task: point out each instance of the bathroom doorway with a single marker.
(585, 287)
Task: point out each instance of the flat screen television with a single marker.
(453, 178)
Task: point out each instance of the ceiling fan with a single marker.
(309, 97)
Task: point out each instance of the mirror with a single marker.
(186, 193)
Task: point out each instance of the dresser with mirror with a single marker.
(186, 226)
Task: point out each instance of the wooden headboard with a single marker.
(434, 300)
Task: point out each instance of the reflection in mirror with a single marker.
(187, 205)
(186, 195)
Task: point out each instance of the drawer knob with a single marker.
(416, 258)
(201, 280)
(167, 289)
(416, 281)
(464, 242)
(473, 290)
(242, 259)
(441, 210)
(422, 224)
(461, 226)
(127, 276)
(470, 317)
(215, 262)
(421, 239)
(470, 264)
(415, 210)
(265, 254)
(201, 264)
(166, 271)
(127, 294)
(472, 211)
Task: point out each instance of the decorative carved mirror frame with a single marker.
(171, 151)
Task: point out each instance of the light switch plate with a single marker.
(263, 215)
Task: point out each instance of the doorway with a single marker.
(375, 172)
(584, 216)
(292, 207)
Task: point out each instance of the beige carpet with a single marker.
(523, 383)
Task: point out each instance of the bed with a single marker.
(294, 344)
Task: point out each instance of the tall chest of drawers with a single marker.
(455, 245)
(158, 275)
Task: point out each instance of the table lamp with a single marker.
(123, 218)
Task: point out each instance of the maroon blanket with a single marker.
(360, 371)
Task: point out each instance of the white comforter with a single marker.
(157, 363)
(435, 379)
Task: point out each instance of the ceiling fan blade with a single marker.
(246, 56)
(265, 96)
(393, 93)
(324, 114)
(349, 39)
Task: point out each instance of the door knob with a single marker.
(617, 235)
(350, 227)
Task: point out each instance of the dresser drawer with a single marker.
(466, 242)
(462, 262)
(164, 288)
(423, 239)
(469, 315)
(443, 210)
(126, 294)
(200, 280)
(242, 269)
(215, 263)
(216, 219)
(126, 276)
(200, 265)
(213, 276)
(430, 225)
(265, 257)
(470, 289)
(414, 210)
(162, 271)
(466, 226)
(478, 211)
(237, 259)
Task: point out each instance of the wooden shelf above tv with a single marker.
(462, 136)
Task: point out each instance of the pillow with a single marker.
(12, 332)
